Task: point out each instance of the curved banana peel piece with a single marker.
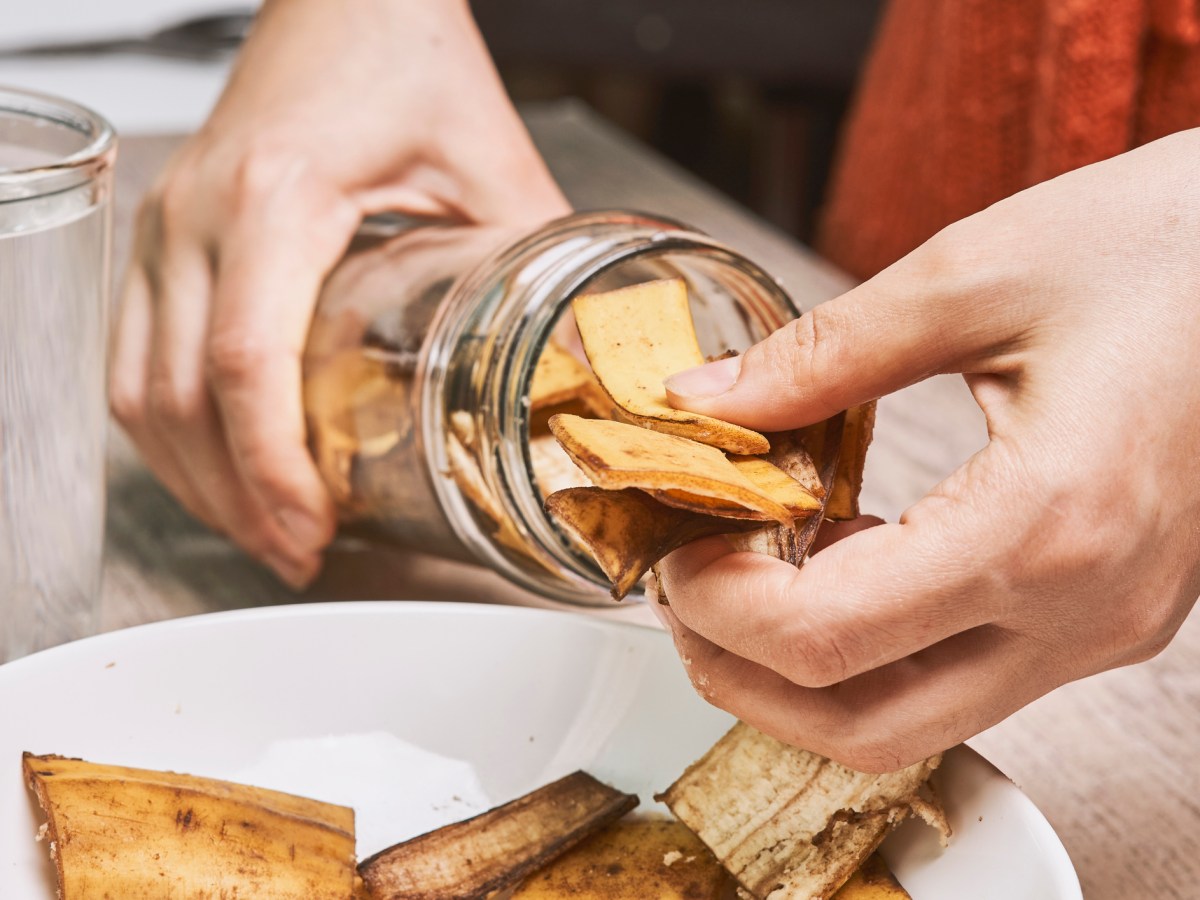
(122, 832)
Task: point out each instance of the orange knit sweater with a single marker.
(964, 102)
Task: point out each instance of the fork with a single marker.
(200, 38)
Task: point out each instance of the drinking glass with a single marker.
(55, 229)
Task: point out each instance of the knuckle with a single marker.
(171, 402)
(815, 658)
(126, 400)
(175, 201)
(816, 654)
(960, 261)
(254, 537)
(263, 167)
(260, 463)
(234, 355)
(813, 352)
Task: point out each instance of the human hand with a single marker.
(1067, 546)
(333, 112)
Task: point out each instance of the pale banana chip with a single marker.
(462, 423)
(627, 531)
(638, 336)
(352, 409)
(681, 472)
(787, 823)
(465, 472)
(558, 378)
(563, 384)
(553, 468)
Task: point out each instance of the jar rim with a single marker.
(516, 342)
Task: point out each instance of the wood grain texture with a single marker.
(1113, 761)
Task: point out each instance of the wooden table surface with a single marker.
(1113, 761)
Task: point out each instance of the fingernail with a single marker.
(710, 380)
(303, 527)
(295, 575)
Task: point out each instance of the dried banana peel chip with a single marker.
(786, 823)
(873, 881)
(352, 406)
(638, 336)
(628, 531)
(791, 455)
(563, 384)
(465, 472)
(681, 472)
(464, 469)
(473, 859)
(856, 436)
(121, 832)
(777, 483)
(553, 469)
(642, 859)
(558, 378)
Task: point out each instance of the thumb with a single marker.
(915, 319)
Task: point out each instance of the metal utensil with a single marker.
(205, 37)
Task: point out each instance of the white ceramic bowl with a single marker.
(372, 704)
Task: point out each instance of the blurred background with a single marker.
(746, 94)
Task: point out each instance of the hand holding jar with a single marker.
(333, 113)
(1067, 546)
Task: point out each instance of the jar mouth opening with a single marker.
(49, 144)
(692, 256)
(636, 248)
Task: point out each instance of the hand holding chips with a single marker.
(1066, 546)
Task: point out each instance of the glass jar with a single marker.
(422, 353)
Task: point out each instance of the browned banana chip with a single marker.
(792, 455)
(681, 472)
(638, 336)
(832, 453)
(473, 859)
(628, 531)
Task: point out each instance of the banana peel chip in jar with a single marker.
(680, 472)
(563, 384)
(635, 338)
(558, 378)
